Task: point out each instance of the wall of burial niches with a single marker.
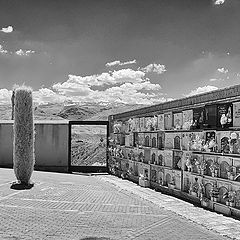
(189, 147)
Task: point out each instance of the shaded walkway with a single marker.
(64, 206)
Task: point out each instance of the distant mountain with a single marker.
(94, 112)
(57, 111)
(104, 112)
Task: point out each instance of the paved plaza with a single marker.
(74, 206)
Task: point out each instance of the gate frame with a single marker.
(87, 169)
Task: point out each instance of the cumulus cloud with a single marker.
(129, 87)
(81, 85)
(41, 96)
(119, 63)
(222, 70)
(3, 51)
(8, 29)
(92, 80)
(219, 2)
(154, 67)
(45, 95)
(200, 90)
(5, 96)
(27, 53)
(125, 85)
(72, 89)
(128, 75)
(129, 93)
(120, 86)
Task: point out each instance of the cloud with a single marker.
(129, 87)
(129, 93)
(200, 90)
(81, 85)
(119, 63)
(213, 79)
(126, 85)
(27, 53)
(222, 70)
(5, 96)
(219, 2)
(45, 95)
(8, 29)
(92, 80)
(110, 64)
(154, 67)
(119, 86)
(3, 51)
(19, 52)
(128, 75)
(72, 89)
(129, 62)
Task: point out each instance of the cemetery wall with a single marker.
(51, 145)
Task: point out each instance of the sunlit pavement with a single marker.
(73, 206)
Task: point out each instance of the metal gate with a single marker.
(88, 145)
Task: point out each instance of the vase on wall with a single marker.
(171, 186)
(231, 177)
(214, 199)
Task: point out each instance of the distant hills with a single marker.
(57, 111)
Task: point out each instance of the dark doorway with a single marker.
(88, 145)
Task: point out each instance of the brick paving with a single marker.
(71, 206)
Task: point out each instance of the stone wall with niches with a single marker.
(188, 147)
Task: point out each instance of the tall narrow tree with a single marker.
(12, 99)
(23, 129)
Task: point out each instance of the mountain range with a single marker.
(87, 111)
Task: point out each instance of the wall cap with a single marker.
(50, 122)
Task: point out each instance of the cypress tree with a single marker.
(23, 131)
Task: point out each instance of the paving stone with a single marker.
(211, 220)
(65, 206)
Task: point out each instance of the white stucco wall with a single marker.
(51, 145)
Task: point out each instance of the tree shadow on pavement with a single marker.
(21, 186)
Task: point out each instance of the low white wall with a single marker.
(51, 145)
